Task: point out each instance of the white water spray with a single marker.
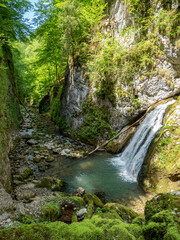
(129, 162)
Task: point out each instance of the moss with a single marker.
(51, 212)
(90, 209)
(74, 218)
(27, 173)
(51, 183)
(161, 202)
(66, 200)
(109, 214)
(90, 196)
(133, 229)
(127, 214)
(173, 233)
(154, 231)
(160, 165)
(119, 232)
(139, 220)
(96, 123)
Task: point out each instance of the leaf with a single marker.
(3, 5)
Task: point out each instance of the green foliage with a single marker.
(55, 108)
(13, 25)
(96, 123)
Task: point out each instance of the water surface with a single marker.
(95, 174)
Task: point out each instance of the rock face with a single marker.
(9, 114)
(161, 169)
(131, 99)
(74, 94)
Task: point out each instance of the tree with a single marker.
(13, 25)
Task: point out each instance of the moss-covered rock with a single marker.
(139, 220)
(94, 198)
(73, 201)
(126, 213)
(25, 173)
(109, 214)
(154, 231)
(51, 212)
(90, 209)
(162, 202)
(161, 169)
(51, 183)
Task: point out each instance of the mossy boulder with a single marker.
(73, 201)
(94, 198)
(51, 212)
(51, 183)
(90, 209)
(139, 220)
(109, 214)
(160, 202)
(25, 173)
(126, 213)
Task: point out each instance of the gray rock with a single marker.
(81, 212)
(6, 202)
(32, 142)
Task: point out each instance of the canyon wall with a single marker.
(9, 114)
(148, 72)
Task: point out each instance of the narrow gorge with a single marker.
(90, 119)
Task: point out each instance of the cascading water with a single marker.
(129, 162)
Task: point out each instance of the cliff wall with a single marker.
(9, 114)
(133, 64)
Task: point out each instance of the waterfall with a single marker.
(129, 162)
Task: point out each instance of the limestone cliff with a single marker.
(9, 114)
(141, 67)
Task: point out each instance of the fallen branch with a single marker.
(23, 106)
(104, 144)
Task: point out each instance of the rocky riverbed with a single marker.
(35, 149)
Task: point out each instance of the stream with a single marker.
(41, 152)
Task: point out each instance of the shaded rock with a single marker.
(67, 213)
(25, 172)
(6, 202)
(20, 210)
(44, 104)
(25, 194)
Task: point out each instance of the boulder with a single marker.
(6, 202)
(166, 201)
(126, 213)
(51, 183)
